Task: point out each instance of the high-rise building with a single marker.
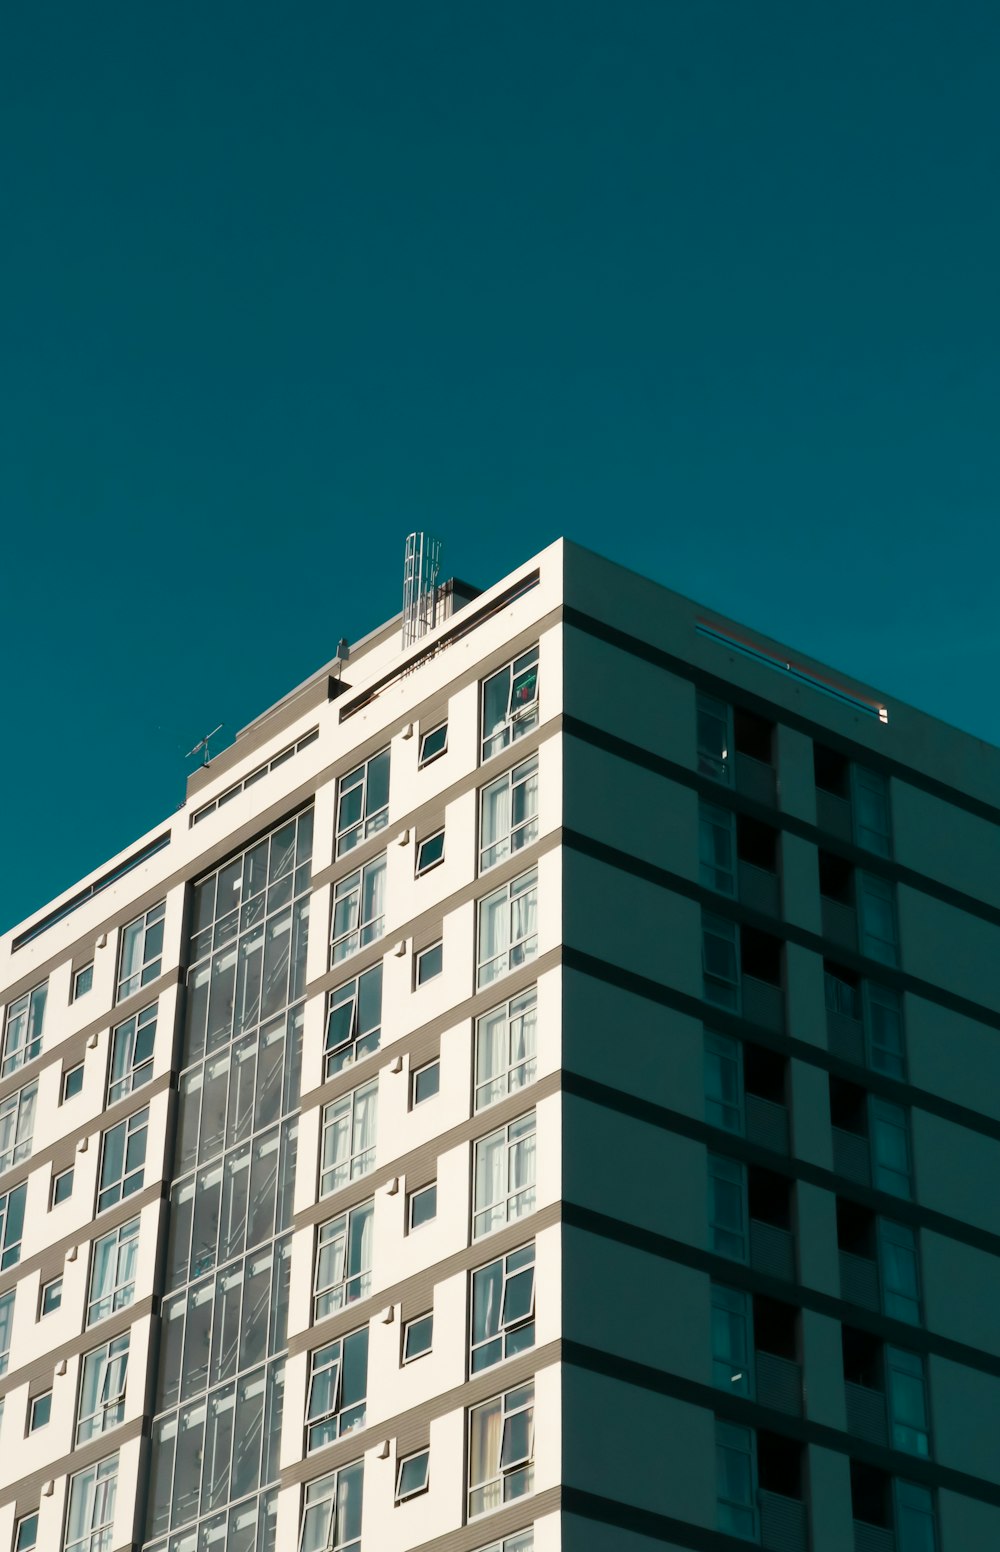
(539, 1093)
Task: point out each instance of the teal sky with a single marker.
(707, 285)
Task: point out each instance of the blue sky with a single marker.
(710, 287)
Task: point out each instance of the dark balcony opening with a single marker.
(753, 735)
(833, 771)
(836, 878)
(848, 1107)
(862, 1358)
(856, 1229)
(760, 954)
(779, 1464)
(871, 1495)
(770, 1197)
(843, 989)
(757, 843)
(776, 1328)
(764, 1073)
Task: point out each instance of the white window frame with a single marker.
(725, 1239)
(721, 989)
(510, 1270)
(145, 959)
(57, 1179)
(419, 1463)
(71, 1072)
(408, 1328)
(130, 1035)
(123, 1257)
(367, 824)
(428, 759)
(503, 1484)
(44, 1292)
(77, 977)
(349, 995)
(907, 1370)
(421, 1072)
(518, 946)
(23, 1025)
(716, 836)
(6, 1327)
(111, 1364)
(358, 892)
(732, 1310)
(338, 1167)
(420, 979)
(516, 786)
(886, 1121)
(17, 1125)
(131, 1178)
(34, 1404)
(519, 1017)
(413, 1198)
(422, 865)
(99, 1486)
(520, 711)
(319, 1511)
(337, 1237)
(10, 1249)
(737, 1439)
(876, 896)
(868, 789)
(724, 1053)
(21, 1544)
(339, 1419)
(521, 1541)
(518, 1138)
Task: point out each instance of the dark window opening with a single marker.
(843, 990)
(848, 1107)
(764, 1073)
(753, 735)
(761, 955)
(776, 1327)
(862, 1358)
(833, 771)
(871, 1495)
(836, 878)
(779, 1464)
(770, 1197)
(757, 843)
(856, 1229)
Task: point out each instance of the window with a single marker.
(720, 960)
(423, 1206)
(899, 1265)
(915, 1518)
(506, 1044)
(430, 852)
(871, 811)
(343, 1260)
(72, 1081)
(39, 1411)
(510, 703)
(412, 1475)
(50, 1297)
(508, 935)
(140, 957)
(877, 919)
(884, 1027)
(348, 1144)
(501, 1450)
(717, 848)
(433, 743)
(363, 803)
(908, 1418)
(508, 814)
(503, 1309)
(504, 1176)
(723, 1082)
(62, 1186)
(123, 1158)
(255, 776)
(22, 1036)
(524, 1541)
(354, 1021)
(338, 1389)
(430, 962)
(425, 1082)
(418, 1337)
(83, 980)
(735, 1481)
(715, 737)
(102, 1389)
(11, 1226)
(727, 1207)
(132, 1054)
(331, 1512)
(27, 1533)
(17, 1124)
(91, 1516)
(6, 1328)
(732, 1340)
(358, 910)
(112, 1271)
(890, 1148)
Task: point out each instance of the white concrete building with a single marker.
(503, 1109)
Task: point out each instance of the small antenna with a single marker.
(201, 747)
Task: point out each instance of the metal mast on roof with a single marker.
(420, 574)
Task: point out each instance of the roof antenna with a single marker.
(202, 746)
(420, 573)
